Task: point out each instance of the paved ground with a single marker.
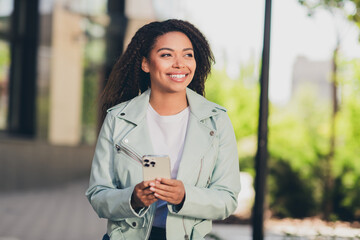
(63, 213)
(56, 214)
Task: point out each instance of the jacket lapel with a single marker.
(138, 138)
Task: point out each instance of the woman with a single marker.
(154, 105)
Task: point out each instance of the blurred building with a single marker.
(55, 56)
(314, 75)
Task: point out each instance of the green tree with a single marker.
(347, 155)
(332, 5)
(299, 145)
(337, 8)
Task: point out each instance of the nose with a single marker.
(178, 62)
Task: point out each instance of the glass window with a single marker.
(6, 8)
(4, 81)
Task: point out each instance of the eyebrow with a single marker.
(172, 50)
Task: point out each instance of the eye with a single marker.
(189, 55)
(165, 55)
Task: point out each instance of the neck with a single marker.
(167, 104)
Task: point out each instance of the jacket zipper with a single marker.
(128, 152)
(208, 182)
(136, 157)
(186, 236)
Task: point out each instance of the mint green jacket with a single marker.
(209, 170)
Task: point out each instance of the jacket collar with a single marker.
(200, 107)
(136, 108)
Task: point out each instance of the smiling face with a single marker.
(171, 63)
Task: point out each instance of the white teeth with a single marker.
(178, 76)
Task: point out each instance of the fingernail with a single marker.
(152, 189)
(152, 184)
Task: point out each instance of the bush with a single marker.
(290, 194)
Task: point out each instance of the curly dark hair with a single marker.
(127, 80)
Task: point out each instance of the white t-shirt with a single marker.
(167, 135)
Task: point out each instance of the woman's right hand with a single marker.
(142, 196)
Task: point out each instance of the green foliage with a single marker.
(298, 142)
(332, 5)
(298, 146)
(94, 54)
(347, 164)
(291, 195)
(344, 165)
(4, 71)
(4, 59)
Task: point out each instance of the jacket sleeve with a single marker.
(107, 200)
(219, 199)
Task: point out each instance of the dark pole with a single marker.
(115, 36)
(261, 155)
(22, 86)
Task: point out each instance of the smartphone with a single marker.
(155, 166)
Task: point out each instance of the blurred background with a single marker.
(55, 57)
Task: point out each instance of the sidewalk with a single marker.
(63, 213)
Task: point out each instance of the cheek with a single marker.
(160, 66)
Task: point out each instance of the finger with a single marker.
(163, 187)
(163, 193)
(139, 186)
(161, 197)
(148, 198)
(147, 191)
(145, 184)
(174, 187)
(170, 198)
(141, 195)
(169, 182)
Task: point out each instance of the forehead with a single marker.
(173, 40)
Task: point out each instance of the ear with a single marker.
(145, 65)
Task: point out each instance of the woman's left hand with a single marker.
(169, 190)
